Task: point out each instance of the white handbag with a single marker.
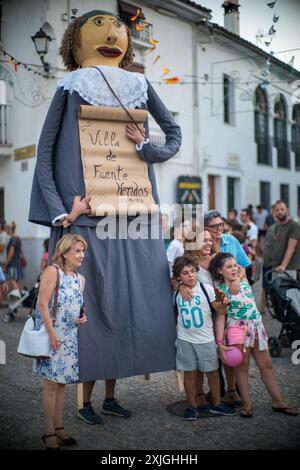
(36, 343)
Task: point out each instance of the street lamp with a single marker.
(41, 42)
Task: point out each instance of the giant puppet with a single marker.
(130, 328)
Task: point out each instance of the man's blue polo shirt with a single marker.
(230, 244)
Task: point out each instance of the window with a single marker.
(280, 133)
(228, 98)
(296, 135)
(264, 154)
(140, 28)
(265, 194)
(3, 114)
(285, 193)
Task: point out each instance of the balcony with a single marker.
(140, 29)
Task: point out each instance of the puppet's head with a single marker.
(97, 38)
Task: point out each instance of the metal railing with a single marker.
(144, 34)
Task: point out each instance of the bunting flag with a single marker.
(291, 62)
(151, 50)
(153, 41)
(140, 26)
(156, 59)
(271, 4)
(275, 18)
(272, 30)
(133, 18)
(16, 63)
(172, 81)
(165, 71)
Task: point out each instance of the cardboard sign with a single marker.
(115, 176)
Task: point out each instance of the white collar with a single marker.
(130, 87)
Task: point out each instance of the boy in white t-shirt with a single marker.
(196, 347)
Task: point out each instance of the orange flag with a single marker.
(151, 50)
(133, 18)
(171, 81)
(140, 27)
(153, 41)
(166, 71)
(156, 59)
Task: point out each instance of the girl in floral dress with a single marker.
(245, 330)
(62, 367)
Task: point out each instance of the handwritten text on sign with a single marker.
(115, 177)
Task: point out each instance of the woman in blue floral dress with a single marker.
(62, 367)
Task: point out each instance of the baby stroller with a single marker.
(26, 299)
(284, 295)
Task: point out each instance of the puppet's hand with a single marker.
(220, 295)
(137, 136)
(80, 206)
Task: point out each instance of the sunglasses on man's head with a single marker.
(216, 226)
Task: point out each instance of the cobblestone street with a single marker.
(151, 426)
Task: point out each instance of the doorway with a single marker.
(211, 192)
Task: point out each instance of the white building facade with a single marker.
(249, 123)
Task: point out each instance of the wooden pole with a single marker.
(180, 382)
(79, 393)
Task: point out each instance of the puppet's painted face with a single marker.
(104, 41)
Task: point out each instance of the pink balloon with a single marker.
(233, 356)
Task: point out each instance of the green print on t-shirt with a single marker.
(191, 317)
(237, 308)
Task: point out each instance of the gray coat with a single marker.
(130, 328)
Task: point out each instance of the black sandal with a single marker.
(70, 441)
(44, 437)
(244, 413)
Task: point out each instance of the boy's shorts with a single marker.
(196, 356)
